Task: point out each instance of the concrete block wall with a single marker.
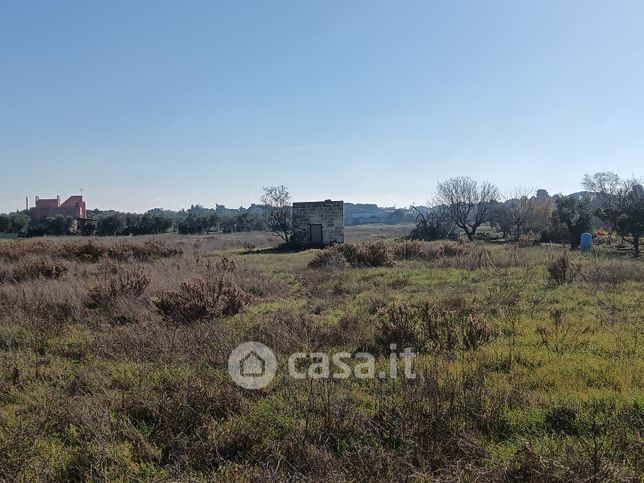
(329, 214)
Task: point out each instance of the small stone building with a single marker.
(318, 223)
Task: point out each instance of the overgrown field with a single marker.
(113, 361)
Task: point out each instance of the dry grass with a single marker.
(113, 359)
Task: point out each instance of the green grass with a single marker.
(121, 393)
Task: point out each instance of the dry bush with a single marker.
(428, 327)
(330, 257)
(249, 246)
(368, 254)
(408, 250)
(124, 283)
(89, 250)
(148, 251)
(83, 252)
(445, 249)
(18, 249)
(529, 239)
(214, 295)
(400, 325)
(451, 249)
(34, 269)
(561, 270)
(561, 335)
(373, 255)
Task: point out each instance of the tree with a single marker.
(433, 225)
(516, 214)
(468, 204)
(521, 208)
(501, 219)
(152, 224)
(57, 225)
(575, 214)
(277, 201)
(629, 213)
(5, 222)
(542, 215)
(194, 224)
(111, 224)
(605, 188)
(60, 225)
(13, 223)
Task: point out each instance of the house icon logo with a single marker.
(252, 365)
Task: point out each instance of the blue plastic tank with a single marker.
(586, 241)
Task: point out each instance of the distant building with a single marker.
(318, 223)
(74, 206)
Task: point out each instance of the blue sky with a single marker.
(162, 104)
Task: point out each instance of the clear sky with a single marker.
(169, 103)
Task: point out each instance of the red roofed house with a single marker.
(73, 206)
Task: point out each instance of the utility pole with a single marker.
(27, 203)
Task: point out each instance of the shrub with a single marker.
(561, 270)
(408, 250)
(41, 267)
(445, 249)
(476, 332)
(249, 246)
(528, 239)
(84, 252)
(328, 258)
(399, 325)
(369, 254)
(202, 298)
(92, 252)
(145, 252)
(374, 255)
(426, 326)
(125, 283)
(560, 335)
(561, 419)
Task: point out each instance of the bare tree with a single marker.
(542, 214)
(277, 201)
(605, 187)
(434, 224)
(468, 203)
(521, 209)
(501, 219)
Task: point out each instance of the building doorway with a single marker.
(316, 234)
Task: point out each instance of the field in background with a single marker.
(113, 360)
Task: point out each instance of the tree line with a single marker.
(460, 205)
(463, 205)
(195, 220)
